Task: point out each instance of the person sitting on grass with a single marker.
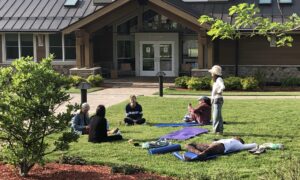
(222, 146)
(201, 113)
(134, 112)
(98, 128)
(81, 121)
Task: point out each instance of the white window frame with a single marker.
(9, 61)
(63, 61)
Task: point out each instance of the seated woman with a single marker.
(98, 128)
(134, 112)
(201, 113)
(80, 122)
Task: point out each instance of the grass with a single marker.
(257, 121)
(171, 91)
(77, 91)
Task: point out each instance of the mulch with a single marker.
(54, 171)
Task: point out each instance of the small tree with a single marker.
(246, 17)
(30, 93)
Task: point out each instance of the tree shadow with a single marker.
(259, 135)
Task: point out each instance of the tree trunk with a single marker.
(24, 168)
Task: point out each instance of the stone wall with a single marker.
(63, 69)
(270, 73)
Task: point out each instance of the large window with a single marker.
(126, 55)
(70, 47)
(12, 46)
(190, 51)
(55, 46)
(128, 26)
(18, 45)
(156, 22)
(63, 47)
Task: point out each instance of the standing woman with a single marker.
(217, 98)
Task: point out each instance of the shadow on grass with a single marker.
(258, 135)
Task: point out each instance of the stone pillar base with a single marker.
(85, 72)
(200, 72)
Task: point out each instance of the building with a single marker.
(141, 37)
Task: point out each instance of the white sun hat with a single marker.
(217, 70)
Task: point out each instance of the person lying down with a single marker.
(222, 146)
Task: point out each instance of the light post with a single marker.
(161, 75)
(84, 86)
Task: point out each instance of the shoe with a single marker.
(118, 132)
(114, 131)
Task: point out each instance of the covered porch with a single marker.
(141, 38)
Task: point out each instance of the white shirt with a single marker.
(232, 145)
(218, 88)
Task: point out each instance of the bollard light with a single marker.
(161, 75)
(84, 86)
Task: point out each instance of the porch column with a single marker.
(88, 50)
(210, 53)
(84, 49)
(201, 42)
(41, 48)
(79, 48)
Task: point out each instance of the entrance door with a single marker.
(157, 56)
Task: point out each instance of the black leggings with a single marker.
(131, 121)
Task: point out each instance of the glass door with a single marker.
(157, 56)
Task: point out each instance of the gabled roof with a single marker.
(220, 9)
(53, 16)
(41, 15)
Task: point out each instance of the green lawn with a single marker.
(75, 90)
(171, 91)
(257, 121)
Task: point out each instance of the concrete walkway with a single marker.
(110, 96)
(115, 95)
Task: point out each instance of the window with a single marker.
(125, 49)
(70, 47)
(55, 46)
(265, 1)
(128, 26)
(71, 3)
(18, 45)
(204, 0)
(286, 1)
(190, 51)
(156, 22)
(12, 46)
(27, 45)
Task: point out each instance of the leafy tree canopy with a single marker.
(245, 17)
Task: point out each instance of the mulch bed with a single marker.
(73, 172)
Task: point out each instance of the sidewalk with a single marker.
(115, 95)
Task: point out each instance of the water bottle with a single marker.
(277, 146)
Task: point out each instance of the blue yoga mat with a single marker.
(165, 149)
(177, 124)
(192, 156)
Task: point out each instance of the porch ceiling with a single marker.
(121, 8)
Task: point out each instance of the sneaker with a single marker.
(118, 132)
(115, 130)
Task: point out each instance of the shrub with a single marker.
(233, 83)
(290, 82)
(95, 80)
(73, 160)
(260, 76)
(249, 83)
(182, 81)
(75, 80)
(199, 83)
(30, 92)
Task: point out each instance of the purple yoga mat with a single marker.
(185, 133)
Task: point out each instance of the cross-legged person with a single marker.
(134, 112)
(98, 128)
(80, 122)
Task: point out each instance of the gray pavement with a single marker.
(115, 95)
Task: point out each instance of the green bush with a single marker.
(249, 83)
(233, 83)
(182, 81)
(290, 82)
(95, 80)
(75, 80)
(199, 83)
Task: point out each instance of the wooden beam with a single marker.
(79, 48)
(94, 16)
(210, 53)
(177, 15)
(201, 43)
(127, 10)
(88, 50)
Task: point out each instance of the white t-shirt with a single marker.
(232, 145)
(217, 88)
